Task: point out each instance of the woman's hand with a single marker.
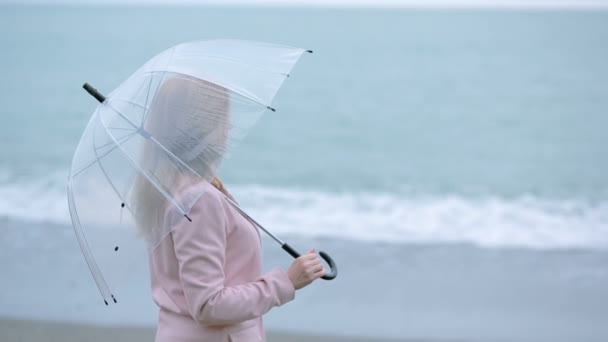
(305, 269)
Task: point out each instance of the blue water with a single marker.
(453, 162)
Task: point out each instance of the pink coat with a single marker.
(206, 275)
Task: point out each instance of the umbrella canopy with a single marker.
(166, 127)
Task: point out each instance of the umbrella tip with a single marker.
(186, 216)
(272, 109)
(114, 299)
(309, 51)
(105, 301)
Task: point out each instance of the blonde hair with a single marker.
(218, 184)
(190, 119)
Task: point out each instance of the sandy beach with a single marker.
(16, 330)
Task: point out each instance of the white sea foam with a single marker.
(42, 200)
(525, 221)
(491, 221)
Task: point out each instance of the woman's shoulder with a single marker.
(193, 198)
(205, 194)
(198, 189)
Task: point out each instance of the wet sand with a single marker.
(16, 330)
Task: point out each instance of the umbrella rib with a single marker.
(130, 102)
(153, 139)
(147, 112)
(144, 108)
(159, 188)
(122, 128)
(137, 105)
(146, 102)
(122, 140)
(86, 250)
(249, 97)
(98, 159)
(236, 61)
(173, 156)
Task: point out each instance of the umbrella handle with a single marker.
(93, 92)
(332, 265)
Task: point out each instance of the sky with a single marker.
(343, 3)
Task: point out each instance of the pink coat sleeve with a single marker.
(200, 248)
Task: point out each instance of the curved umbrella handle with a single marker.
(332, 265)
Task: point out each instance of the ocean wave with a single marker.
(39, 201)
(489, 221)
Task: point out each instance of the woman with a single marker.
(205, 258)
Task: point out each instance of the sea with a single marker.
(453, 162)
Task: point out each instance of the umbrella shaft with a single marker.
(240, 210)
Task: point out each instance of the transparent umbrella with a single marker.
(165, 128)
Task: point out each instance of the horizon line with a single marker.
(438, 4)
